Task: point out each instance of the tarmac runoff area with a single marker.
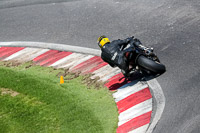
(140, 103)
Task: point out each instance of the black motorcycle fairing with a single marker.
(144, 59)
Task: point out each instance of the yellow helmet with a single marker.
(102, 40)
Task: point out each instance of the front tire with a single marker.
(150, 65)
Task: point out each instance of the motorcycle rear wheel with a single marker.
(151, 65)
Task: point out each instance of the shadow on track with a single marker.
(135, 77)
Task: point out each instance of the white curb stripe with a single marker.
(135, 111)
(104, 71)
(37, 53)
(19, 53)
(110, 75)
(55, 46)
(129, 90)
(77, 61)
(26, 54)
(67, 59)
(141, 129)
(71, 60)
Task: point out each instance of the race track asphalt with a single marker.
(171, 27)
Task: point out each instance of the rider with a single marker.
(114, 52)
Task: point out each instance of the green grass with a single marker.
(44, 106)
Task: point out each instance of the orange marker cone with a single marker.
(61, 80)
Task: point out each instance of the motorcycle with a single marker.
(144, 60)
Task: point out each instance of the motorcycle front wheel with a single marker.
(150, 65)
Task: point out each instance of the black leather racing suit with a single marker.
(113, 54)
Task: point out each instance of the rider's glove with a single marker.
(129, 39)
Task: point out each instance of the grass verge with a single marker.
(33, 101)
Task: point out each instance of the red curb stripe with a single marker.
(45, 55)
(3, 48)
(8, 51)
(54, 58)
(88, 65)
(116, 77)
(96, 68)
(133, 99)
(116, 81)
(135, 123)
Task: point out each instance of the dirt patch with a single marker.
(91, 83)
(16, 63)
(10, 92)
(12, 63)
(29, 66)
(66, 73)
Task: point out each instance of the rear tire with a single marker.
(150, 65)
